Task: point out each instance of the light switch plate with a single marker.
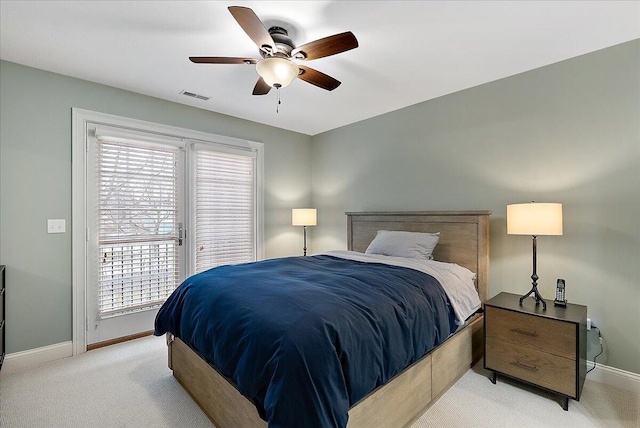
(56, 226)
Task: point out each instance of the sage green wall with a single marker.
(568, 132)
(35, 184)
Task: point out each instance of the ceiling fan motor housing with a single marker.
(283, 42)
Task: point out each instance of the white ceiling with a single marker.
(409, 51)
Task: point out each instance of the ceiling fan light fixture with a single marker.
(277, 72)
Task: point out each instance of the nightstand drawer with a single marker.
(546, 370)
(547, 335)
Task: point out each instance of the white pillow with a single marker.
(412, 245)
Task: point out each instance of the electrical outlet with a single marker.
(588, 323)
(56, 226)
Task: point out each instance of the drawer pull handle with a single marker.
(524, 332)
(524, 366)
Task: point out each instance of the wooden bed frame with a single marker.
(464, 239)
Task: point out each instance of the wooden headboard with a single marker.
(464, 236)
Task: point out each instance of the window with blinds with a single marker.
(224, 208)
(137, 225)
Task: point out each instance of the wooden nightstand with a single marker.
(547, 349)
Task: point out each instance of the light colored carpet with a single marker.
(475, 402)
(129, 385)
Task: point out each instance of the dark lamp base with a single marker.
(537, 296)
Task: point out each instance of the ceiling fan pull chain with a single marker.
(278, 105)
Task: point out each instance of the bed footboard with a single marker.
(219, 399)
(397, 404)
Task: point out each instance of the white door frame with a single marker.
(80, 119)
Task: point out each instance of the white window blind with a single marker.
(137, 224)
(224, 208)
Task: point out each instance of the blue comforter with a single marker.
(305, 338)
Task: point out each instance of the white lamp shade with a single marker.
(277, 71)
(304, 217)
(534, 219)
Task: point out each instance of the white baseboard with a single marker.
(612, 376)
(33, 357)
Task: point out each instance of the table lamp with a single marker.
(304, 217)
(534, 219)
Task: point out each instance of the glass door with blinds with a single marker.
(136, 252)
(224, 206)
(159, 209)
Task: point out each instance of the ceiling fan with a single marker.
(277, 68)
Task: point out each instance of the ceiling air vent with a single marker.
(192, 95)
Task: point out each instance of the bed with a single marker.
(401, 400)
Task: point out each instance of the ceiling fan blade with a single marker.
(252, 25)
(327, 46)
(221, 60)
(318, 79)
(261, 87)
